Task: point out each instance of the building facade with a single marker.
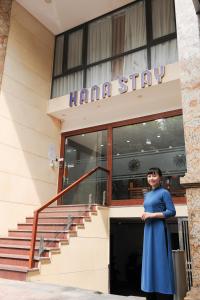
(116, 88)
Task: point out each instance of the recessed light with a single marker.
(148, 141)
(83, 134)
(118, 154)
(128, 141)
(158, 136)
(74, 150)
(102, 145)
(170, 147)
(144, 124)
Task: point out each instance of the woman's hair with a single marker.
(155, 171)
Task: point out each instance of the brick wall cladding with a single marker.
(5, 9)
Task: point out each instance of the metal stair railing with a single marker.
(36, 212)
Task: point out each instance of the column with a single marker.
(188, 37)
(5, 9)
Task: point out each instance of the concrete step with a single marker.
(56, 220)
(42, 233)
(13, 272)
(20, 260)
(48, 226)
(26, 241)
(75, 207)
(24, 250)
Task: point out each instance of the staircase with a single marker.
(55, 226)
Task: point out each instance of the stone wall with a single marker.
(5, 9)
(189, 59)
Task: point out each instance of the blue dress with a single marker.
(157, 268)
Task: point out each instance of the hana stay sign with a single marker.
(96, 93)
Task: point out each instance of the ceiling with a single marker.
(61, 15)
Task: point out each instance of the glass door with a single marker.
(82, 153)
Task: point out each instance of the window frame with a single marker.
(109, 127)
(150, 42)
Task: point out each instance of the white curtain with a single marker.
(58, 55)
(99, 74)
(67, 84)
(100, 40)
(163, 17)
(163, 54)
(75, 43)
(135, 62)
(135, 26)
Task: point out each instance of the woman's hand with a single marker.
(146, 215)
(154, 215)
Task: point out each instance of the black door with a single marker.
(126, 241)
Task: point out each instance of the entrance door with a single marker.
(82, 153)
(126, 241)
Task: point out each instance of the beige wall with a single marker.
(84, 262)
(26, 180)
(132, 104)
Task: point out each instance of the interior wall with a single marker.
(26, 179)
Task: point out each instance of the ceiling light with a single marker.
(158, 136)
(83, 134)
(142, 150)
(148, 141)
(102, 145)
(128, 141)
(118, 154)
(170, 147)
(144, 124)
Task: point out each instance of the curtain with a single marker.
(165, 53)
(75, 43)
(99, 74)
(100, 40)
(65, 85)
(59, 45)
(163, 17)
(135, 26)
(135, 62)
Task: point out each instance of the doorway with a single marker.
(126, 241)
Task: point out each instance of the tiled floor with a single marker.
(18, 290)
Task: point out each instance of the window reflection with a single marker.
(136, 148)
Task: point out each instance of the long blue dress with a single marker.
(157, 268)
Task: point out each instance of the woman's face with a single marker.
(153, 180)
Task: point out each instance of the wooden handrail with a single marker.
(36, 213)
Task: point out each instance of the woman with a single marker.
(157, 269)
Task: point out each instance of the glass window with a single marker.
(100, 40)
(99, 74)
(135, 62)
(163, 17)
(83, 153)
(135, 26)
(163, 54)
(65, 85)
(136, 148)
(75, 44)
(116, 45)
(59, 45)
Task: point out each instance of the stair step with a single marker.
(75, 207)
(56, 220)
(48, 226)
(20, 260)
(26, 241)
(24, 250)
(13, 272)
(42, 233)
